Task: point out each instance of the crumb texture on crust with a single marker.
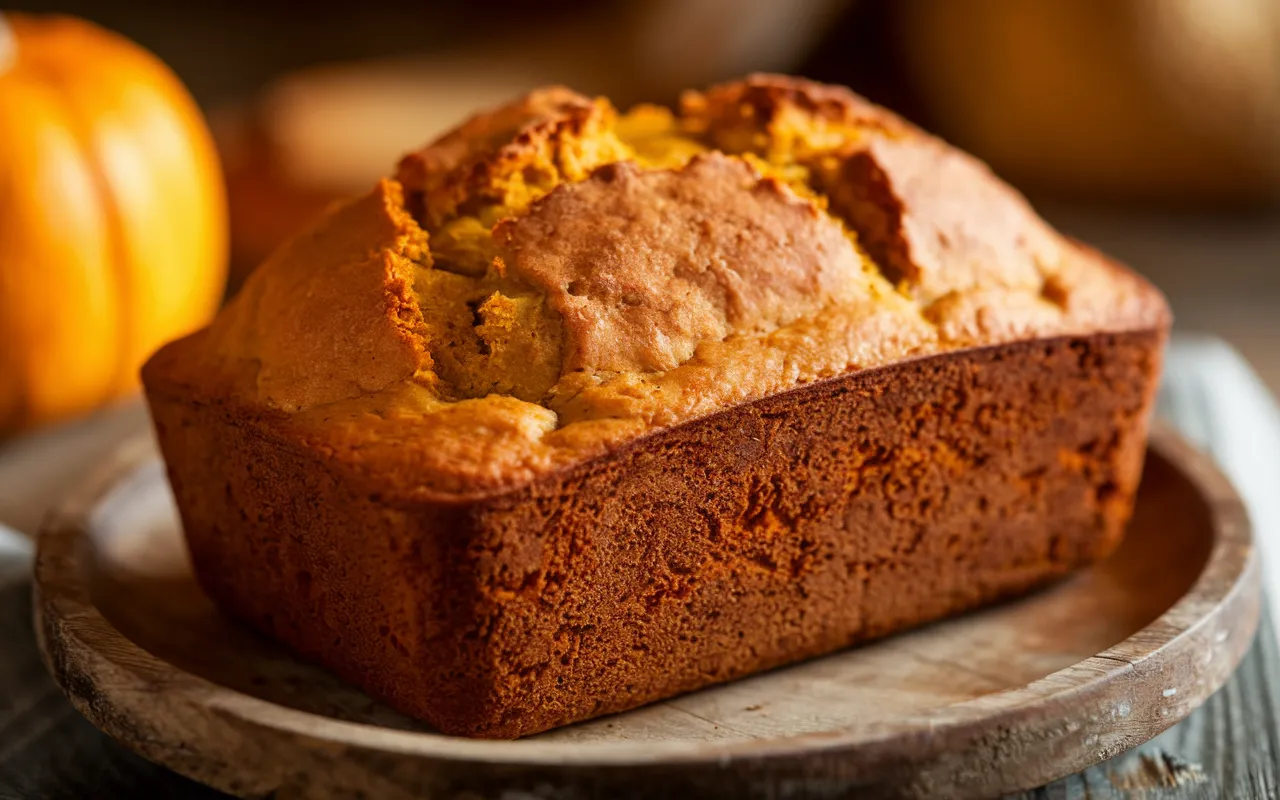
(553, 278)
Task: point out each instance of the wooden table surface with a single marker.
(1228, 748)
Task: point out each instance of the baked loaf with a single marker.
(584, 410)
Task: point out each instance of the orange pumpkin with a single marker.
(112, 216)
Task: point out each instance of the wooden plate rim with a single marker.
(69, 626)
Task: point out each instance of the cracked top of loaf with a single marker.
(554, 278)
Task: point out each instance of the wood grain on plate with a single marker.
(1005, 699)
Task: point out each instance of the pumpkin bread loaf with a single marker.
(583, 409)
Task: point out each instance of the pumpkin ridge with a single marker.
(118, 224)
(81, 131)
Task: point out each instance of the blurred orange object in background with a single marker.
(112, 216)
(1174, 101)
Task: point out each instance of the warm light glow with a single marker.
(8, 45)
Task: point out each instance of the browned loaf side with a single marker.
(586, 410)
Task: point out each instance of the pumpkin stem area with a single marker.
(8, 45)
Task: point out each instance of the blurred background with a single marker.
(1150, 128)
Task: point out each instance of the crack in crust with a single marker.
(552, 279)
(938, 221)
(643, 266)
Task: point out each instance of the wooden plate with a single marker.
(1000, 700)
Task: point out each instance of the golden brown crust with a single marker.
(939, 221)
(561, 281)
(333, 315)
(643, 266)
(756, 536)
(531, 140)
(772, 114)
(608, 409)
